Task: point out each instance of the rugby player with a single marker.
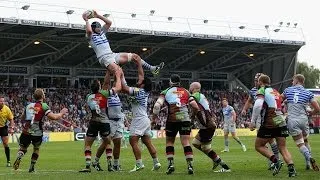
(273, 125)
(99, 123)
(256, 125)
(116, 118)
(96, 35)
(229, 125)
(177, 99)
(298, 124)
(203, 139)
(32, 132)
(140, 125)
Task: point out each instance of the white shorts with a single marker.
(297, 126)
(229, 128)
(140, 127)
(107, 59)
(116, 129)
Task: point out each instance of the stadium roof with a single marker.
(235, 48)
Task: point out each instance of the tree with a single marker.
(311, 74)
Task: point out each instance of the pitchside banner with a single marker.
(47, 137)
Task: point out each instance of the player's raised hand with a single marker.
(95, 13)
(84, 16)
(64, 111)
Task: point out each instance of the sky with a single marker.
(247, 11)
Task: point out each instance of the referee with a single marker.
(5, 115)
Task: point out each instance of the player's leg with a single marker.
(5, 143)
(116, 153)
(275, 150)
(100, 150)
(281, 141)
(136, 131)
(123, 58)
(117, 128)
(146, 139)
(36, 142)
(236, 138)
(202, 141)
(226, 138)
(184, 132)
(171, 133)
(24, 142)
(91, 135)
(305, 134)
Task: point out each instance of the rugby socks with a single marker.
(273, 159)
(274, 148)
(188, 154)
(305, 152)
(226, 143)
(139, 162)
(170, 154)
(147, 66)
(21, 153)
(34, 158)
(87, 154)
(214, 156)
(116, 162)
(155, 160)
(7, 151)
(238, 140)
(109, 154)
(308, 146)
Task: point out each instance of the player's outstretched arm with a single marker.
(257, 107)
(247, 106)
(104, 19)
(88, 26)
(140, 72)
(57, 116)
(106, 83)
(118, 85)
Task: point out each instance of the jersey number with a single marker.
(296, 97)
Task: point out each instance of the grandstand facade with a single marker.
(218, 54)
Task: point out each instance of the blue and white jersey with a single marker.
(114, 107)
(227, 114)
(139, 103)
(253, 93)
(100, 43)
(297, 97)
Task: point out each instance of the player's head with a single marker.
(146, 84)
(96, 27)
(224, 102)
(38, 94)
(174, 80)
(95, 86)
(195, 87)
(264, 80)
(2, 102)
(298, 79)
(256, 78)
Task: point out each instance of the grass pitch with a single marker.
(63, 160)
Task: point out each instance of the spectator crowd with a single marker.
(79, 114)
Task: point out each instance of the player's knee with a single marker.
(299, 142)
(196, 143)
(206, 147)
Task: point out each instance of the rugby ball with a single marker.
(89, 14)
